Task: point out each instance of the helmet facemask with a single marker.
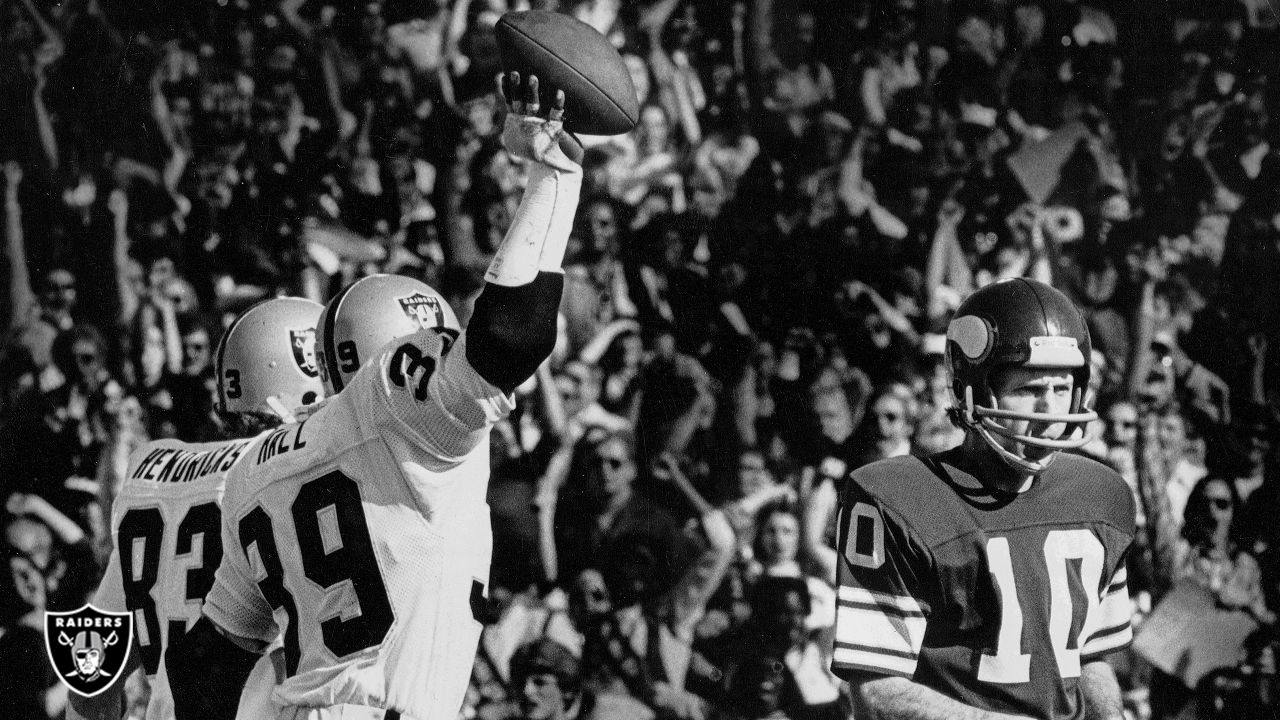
(983, 420)
(1026, 325)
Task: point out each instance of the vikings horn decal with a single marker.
(972, 335)
(89, 648)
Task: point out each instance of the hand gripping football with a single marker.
(567, 54)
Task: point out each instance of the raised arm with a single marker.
(513, 327)
(47, 29)
(760, 38)
(118, 204)
(672, 72)
(547, 497)
(693, 590)
(21, 297)
(818, 508)
(946, 265)
(45, 56)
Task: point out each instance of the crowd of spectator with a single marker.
(756, 294)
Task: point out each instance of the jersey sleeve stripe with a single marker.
(881, 608)
(1104, 632)
(846, 658)
(883, 631)
(859, 647)
(1108, 638)
(1100, 644)
(904, 605)
(1114, 609)
(1119, 581)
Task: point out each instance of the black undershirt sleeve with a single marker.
(207, 672)
(513, 329)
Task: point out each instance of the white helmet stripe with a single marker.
(1054, 351)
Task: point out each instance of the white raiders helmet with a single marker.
(266, 360)
(370, 313)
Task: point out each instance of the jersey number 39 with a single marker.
(336, 498)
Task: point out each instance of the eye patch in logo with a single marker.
(304, 350)
(424, 310)
(88, 647)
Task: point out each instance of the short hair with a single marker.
(545, 655)
(189, 323)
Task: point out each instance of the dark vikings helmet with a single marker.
(1019, 323)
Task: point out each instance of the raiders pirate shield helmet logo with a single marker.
(89, 648)
(304, 350)
(424, 310)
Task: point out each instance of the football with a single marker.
(568, 54)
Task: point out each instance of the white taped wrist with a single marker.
(539, 232)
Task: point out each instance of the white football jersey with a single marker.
(166, 521)
(362, 535)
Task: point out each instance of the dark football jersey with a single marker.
(993, 599)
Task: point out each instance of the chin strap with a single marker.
(982, 421)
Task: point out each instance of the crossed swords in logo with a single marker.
(107, 642)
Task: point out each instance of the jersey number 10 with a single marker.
(1065, 551)
(1073, 560)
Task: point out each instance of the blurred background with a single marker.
(757, 287)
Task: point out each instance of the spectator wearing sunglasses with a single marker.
(602, 502)
(887, 429)
(50, 315)
(194, 386)
(1205, 553)
(55, 447)
(35, 315)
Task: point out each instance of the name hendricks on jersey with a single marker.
(278, 442)
(175, 465)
